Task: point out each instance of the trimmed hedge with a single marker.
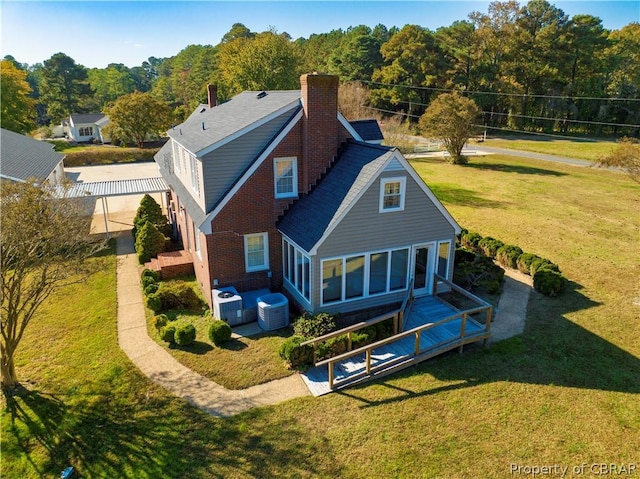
(148, 280)
(294, 354)
(490, 246)
(154, 302)
(523, 263)
(104, 155)
(548, 282)
(178, 295)
(168, 334)
(310, 326)
(150, 273)
(219, 332)
(470, 239)
(542, 263)
(160, 321)
(152, 288)
(508, 255)
(185, 335)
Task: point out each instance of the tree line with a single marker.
(528, 67)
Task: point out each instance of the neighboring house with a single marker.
(24, 158)
(87, 127)
(278, 190)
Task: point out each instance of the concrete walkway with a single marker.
(156, 363)
(512, 307)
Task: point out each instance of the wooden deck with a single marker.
(421, 338)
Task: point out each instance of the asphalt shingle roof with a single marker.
(229, 118)
(87, 118)
(369, 130)
(309, 218)
(22, 157)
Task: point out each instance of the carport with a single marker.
(113, 188)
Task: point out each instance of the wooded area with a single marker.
(529, 67)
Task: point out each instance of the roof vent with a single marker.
(262, 94)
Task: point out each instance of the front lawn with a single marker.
(580, 149)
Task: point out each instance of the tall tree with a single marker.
(17, 109)
(64, 86)
(135, 116)
(411, 58)
(109, 84)
(461, 50)
(450, 118)
(358, 55)
(44, 245)
(267, 62)
(238, 30)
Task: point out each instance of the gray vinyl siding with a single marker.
(224, 166)
(365, 229)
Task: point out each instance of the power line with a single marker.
(567, 120)
(476, 92)
(525, 132)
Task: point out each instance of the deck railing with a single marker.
(398, 316)
(483, 306)
(459, 341)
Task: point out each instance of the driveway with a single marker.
(121, 209)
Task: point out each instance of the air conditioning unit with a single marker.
(273, 311)
(227, 305)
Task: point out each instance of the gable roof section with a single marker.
(368, 130)
(231, 119)
(314, 215)
(310, 220)
(87, 118)
(24, 157)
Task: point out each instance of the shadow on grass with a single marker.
(461, 196)
(519, 169)
(552, 351)
(115, 435)
(197, 347)
(233, 345)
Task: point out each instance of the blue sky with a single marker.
(95, 33)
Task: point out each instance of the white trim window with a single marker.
(256, 252)
(195, 177)
(444, 252)
(285, 177)
(296, 267)
(392, 193)
(362, 275)
(85, 131)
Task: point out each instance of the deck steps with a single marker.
(172, 263)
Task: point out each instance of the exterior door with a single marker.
(423, 269)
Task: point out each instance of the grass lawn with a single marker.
(237, 364)
(580, 149)
(566, 392)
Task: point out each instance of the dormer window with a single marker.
(392, 193)
(285, 172)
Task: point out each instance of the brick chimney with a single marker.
(212, 95)
(320, 140)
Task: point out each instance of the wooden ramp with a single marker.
(431, 327)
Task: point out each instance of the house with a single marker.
(278, 190)
(24, 158)
(87, 127)
(369, 130)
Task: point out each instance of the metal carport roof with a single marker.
(103, 189)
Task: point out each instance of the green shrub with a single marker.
(470, 239)
(310, 326)
(548, 282)
(149, 242)
(364, 336)
(152, 288)
(219, 332)
(463, 255)
(168, 334)
(542, 263)
(178, 295)
(149, 210)
(524, 262)
(384, 329)
(332, 347)
(147, 280)
(160, 321)
(154, 303)
(508, 255)
(105, 155)
(490, 246)
(185, 335)
(295, 354)
(151, 273)
(479, 273)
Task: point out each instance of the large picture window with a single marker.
(256, 252)
(85, 131)
(285, 177)
(359, 276)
